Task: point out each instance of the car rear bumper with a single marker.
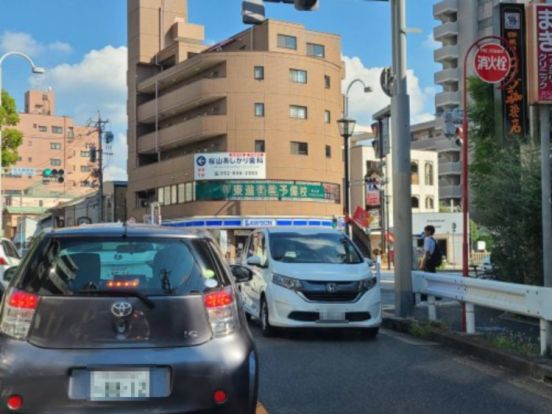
(42, 377)
(288, 309)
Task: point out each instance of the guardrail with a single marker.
(533, 301)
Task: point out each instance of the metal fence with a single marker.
(532, 301)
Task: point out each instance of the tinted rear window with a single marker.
(152, 266)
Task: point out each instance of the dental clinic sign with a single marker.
(540, 52)
(230, 165)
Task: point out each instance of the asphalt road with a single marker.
(333, 373)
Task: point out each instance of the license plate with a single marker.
(119, 385)
(332, 317)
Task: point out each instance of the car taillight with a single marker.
(18, 313)
(3, 261)
(222, 312)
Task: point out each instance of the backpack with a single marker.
(436, 257)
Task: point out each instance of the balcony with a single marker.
(443, 99)
(196, 129)
(445, 7)
(450, 191)
(448, 29)
(446, 53)
(183, 99)
(447, 75)
(450, 168)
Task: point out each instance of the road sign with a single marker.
(492, 63)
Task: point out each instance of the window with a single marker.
(85, 154)
(429, 173)
(415, 202)
(328, 151)
(287, 42)
(167, 194)
(299, 148)
(327, 117)
(174, 194)
(327, 82)
(57, 130)
(160, 195)
(257, 247)
(316, 50)
(259, 109)
(189, 192)
(44, 97)
(298, 75)
(84, 168)
(429, 203)
(55, 162)
(43, 128)
(55, 145)
(34, 126)
(259, 145)
(414, 173)
(181, 193)
(40, 203)
(30, 159)
(298, 112)
(70, 132)
(259, 72)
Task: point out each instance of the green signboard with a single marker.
(258, 190)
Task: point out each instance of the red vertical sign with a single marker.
(541, 54)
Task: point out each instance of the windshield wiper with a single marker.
(118, 292)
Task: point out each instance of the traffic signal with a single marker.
(93, 154)
(46, 173)
(307, 5)
(49, 174)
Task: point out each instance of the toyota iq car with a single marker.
(125, 319)
(306, 278)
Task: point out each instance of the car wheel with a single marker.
(370, 333)
(266, 328)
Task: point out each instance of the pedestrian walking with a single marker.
(432, 257)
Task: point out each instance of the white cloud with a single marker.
(363, 105)
(96, 83)
(430, 42)
(24, 42)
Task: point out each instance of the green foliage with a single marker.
(424, 330)
(505, 184)
(11, 138)
(516, 342)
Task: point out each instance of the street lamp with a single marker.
(35, 69)
(366, 89)
(346, 130)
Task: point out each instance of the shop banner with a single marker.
(230, 165)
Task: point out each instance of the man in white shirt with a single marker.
(427, 264)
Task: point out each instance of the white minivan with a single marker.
(9, 257)
(306, 278)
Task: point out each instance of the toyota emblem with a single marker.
(121, 309)
(331, 287)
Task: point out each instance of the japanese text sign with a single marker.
(230, 165)
(492, 63)
(540, 73)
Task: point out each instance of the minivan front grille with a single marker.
(331, 291)
(331, 297)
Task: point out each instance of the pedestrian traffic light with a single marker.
(57, 175)
(47, 173)
(93, 154)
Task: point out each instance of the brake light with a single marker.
(222, 311)
(15, 402)
(3, 261)
(114, 284)
(18, 313)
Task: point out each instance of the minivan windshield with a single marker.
(313, 248)
(150, 266)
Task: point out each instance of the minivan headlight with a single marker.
(286, 282)
(367, 284)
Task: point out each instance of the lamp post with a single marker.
(35, 69)
(346, 130)
(366, 89)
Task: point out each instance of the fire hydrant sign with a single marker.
(492, 63)
(230, 165)
(540, 54)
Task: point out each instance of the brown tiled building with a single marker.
(50, 141)
(274, 88)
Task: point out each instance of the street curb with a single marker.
(536, 368)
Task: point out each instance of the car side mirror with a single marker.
(254, 261)
(241, 273)
(9, 273)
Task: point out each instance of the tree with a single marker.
(11, 137)
(505, 185)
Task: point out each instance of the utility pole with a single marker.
(400, 127)
(100, 128)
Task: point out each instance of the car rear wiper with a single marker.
(118, 292)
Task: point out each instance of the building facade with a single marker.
(272, 89)
(51, 142)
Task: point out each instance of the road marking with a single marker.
(261, 409)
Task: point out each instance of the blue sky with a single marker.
(82, 44)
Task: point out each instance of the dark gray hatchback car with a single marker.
(125, 319)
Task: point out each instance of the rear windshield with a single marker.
(152, 266)
(333, 248)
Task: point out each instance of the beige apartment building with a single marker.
(50, 141)
(272, 89)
